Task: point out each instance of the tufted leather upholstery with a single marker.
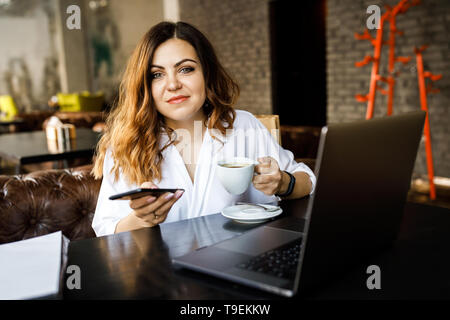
(47, 201)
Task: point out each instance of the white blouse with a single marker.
(206, 195)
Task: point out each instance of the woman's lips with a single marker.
(177, 99)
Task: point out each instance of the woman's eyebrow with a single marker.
(175, 65)
(182, 61)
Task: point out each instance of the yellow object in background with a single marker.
(8, 109)
(92, 101)
(69, 101)
(84, 101)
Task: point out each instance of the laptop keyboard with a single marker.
(280, 262)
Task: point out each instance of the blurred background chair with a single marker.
(272, 123)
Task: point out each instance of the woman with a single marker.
(173, 120)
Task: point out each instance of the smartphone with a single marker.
(141, 192)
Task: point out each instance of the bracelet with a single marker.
(290, 187)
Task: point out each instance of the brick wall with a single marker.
(239, 31)
(428, 23)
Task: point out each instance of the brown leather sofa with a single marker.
(47, 201)
(303, 141)
(37, 120)
(79, 119)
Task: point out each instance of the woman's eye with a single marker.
(156, 75)
(186, 70)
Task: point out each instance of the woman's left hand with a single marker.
(269, 178)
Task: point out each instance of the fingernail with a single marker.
(169, 196)
(178, 194)
(151, 199)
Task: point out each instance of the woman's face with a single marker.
(178, 85)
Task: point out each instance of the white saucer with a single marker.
(244, 213)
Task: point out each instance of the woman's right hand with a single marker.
(152, 211)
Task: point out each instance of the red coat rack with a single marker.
(424, 89)
(390, 17)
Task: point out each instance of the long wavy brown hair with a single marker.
(134, 126)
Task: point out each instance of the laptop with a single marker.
(363, 172)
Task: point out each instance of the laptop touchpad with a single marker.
(259, 240)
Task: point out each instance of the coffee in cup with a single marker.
(235, 174)
(234, 165)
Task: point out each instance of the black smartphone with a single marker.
(141, 192)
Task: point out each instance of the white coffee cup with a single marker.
(236, 173)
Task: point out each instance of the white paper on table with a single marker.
(31, 268)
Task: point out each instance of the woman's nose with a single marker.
(173, 83)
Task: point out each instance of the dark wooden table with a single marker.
(137, 264)
(33, 147)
